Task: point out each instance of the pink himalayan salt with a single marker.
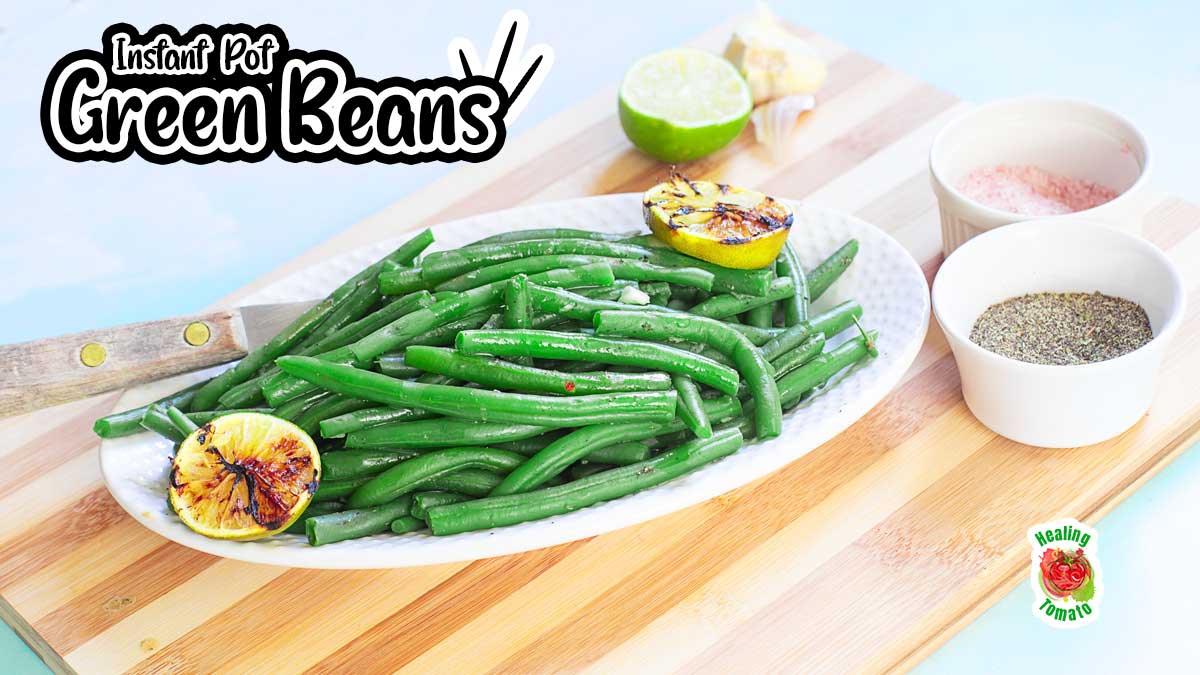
(1032, 190)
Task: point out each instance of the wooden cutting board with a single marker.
(864, 555)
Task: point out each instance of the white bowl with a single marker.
(1067, 137)
(1057, 406)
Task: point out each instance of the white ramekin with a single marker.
(1064, 136)
(1056, 406)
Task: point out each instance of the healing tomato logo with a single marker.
(1067, 573)
(1064, 573)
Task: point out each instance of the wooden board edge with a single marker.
(52, 659)
(1017, 573)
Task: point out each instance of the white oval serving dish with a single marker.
(884, 278)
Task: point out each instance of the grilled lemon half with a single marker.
(244, 476)
(729, 226)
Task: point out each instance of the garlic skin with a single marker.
(773, 121)
(775, 62)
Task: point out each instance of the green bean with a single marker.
(401, 281)
(578, 471)
(659, 292)
(206, 397)
(246, 393)
(293, 408)
(678, 305)
(444, 334)
(749, 361)
(829, 323)
(823, 275)
(481, 404)
(732, 304)
(202, 418)
(691, 406)
(619, 454)
(337, 427)
(282, 387)
(422, 321)
(156, 420)
(530, 446)
(342, 305)
(401, 306)
(795, 308)
(129, 422)
(507, 270)
(422, 501)
(329, 490)
(568, 304)
(505, 510)
(310, 419)
(410, 473)
(689, 296)
(358, 303)
(394, 365)
(757, 335)
(762, 316)
(345, 464)
(446, 264)
(563, 452)
(517, 310)
(414, 325)
(638, 270)
(624, 270)
(181, 421)
(725, 279)
(819, 370)
(807, 351)
(552, 345)
(611, 292)
(313, 509)
(355, 523)
(547, 233)
(406, 524)
(440, 432)
(409, 250)
(470, 482)
(404, 256)
(500, 374)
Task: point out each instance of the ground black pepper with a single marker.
(1062, 328)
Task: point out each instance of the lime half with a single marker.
(683, 104)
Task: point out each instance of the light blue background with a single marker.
(86, 245)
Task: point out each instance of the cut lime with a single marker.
(722, 224)
(683, 104)
(243, 476)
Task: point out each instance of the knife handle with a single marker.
(55, 370)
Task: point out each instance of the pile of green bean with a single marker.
(527, 375)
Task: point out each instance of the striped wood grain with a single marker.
(916, 501)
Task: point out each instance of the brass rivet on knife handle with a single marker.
(197, 333)
(45, 372)
(93, 354)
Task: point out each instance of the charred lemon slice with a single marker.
(243, 476)
(725, 225)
